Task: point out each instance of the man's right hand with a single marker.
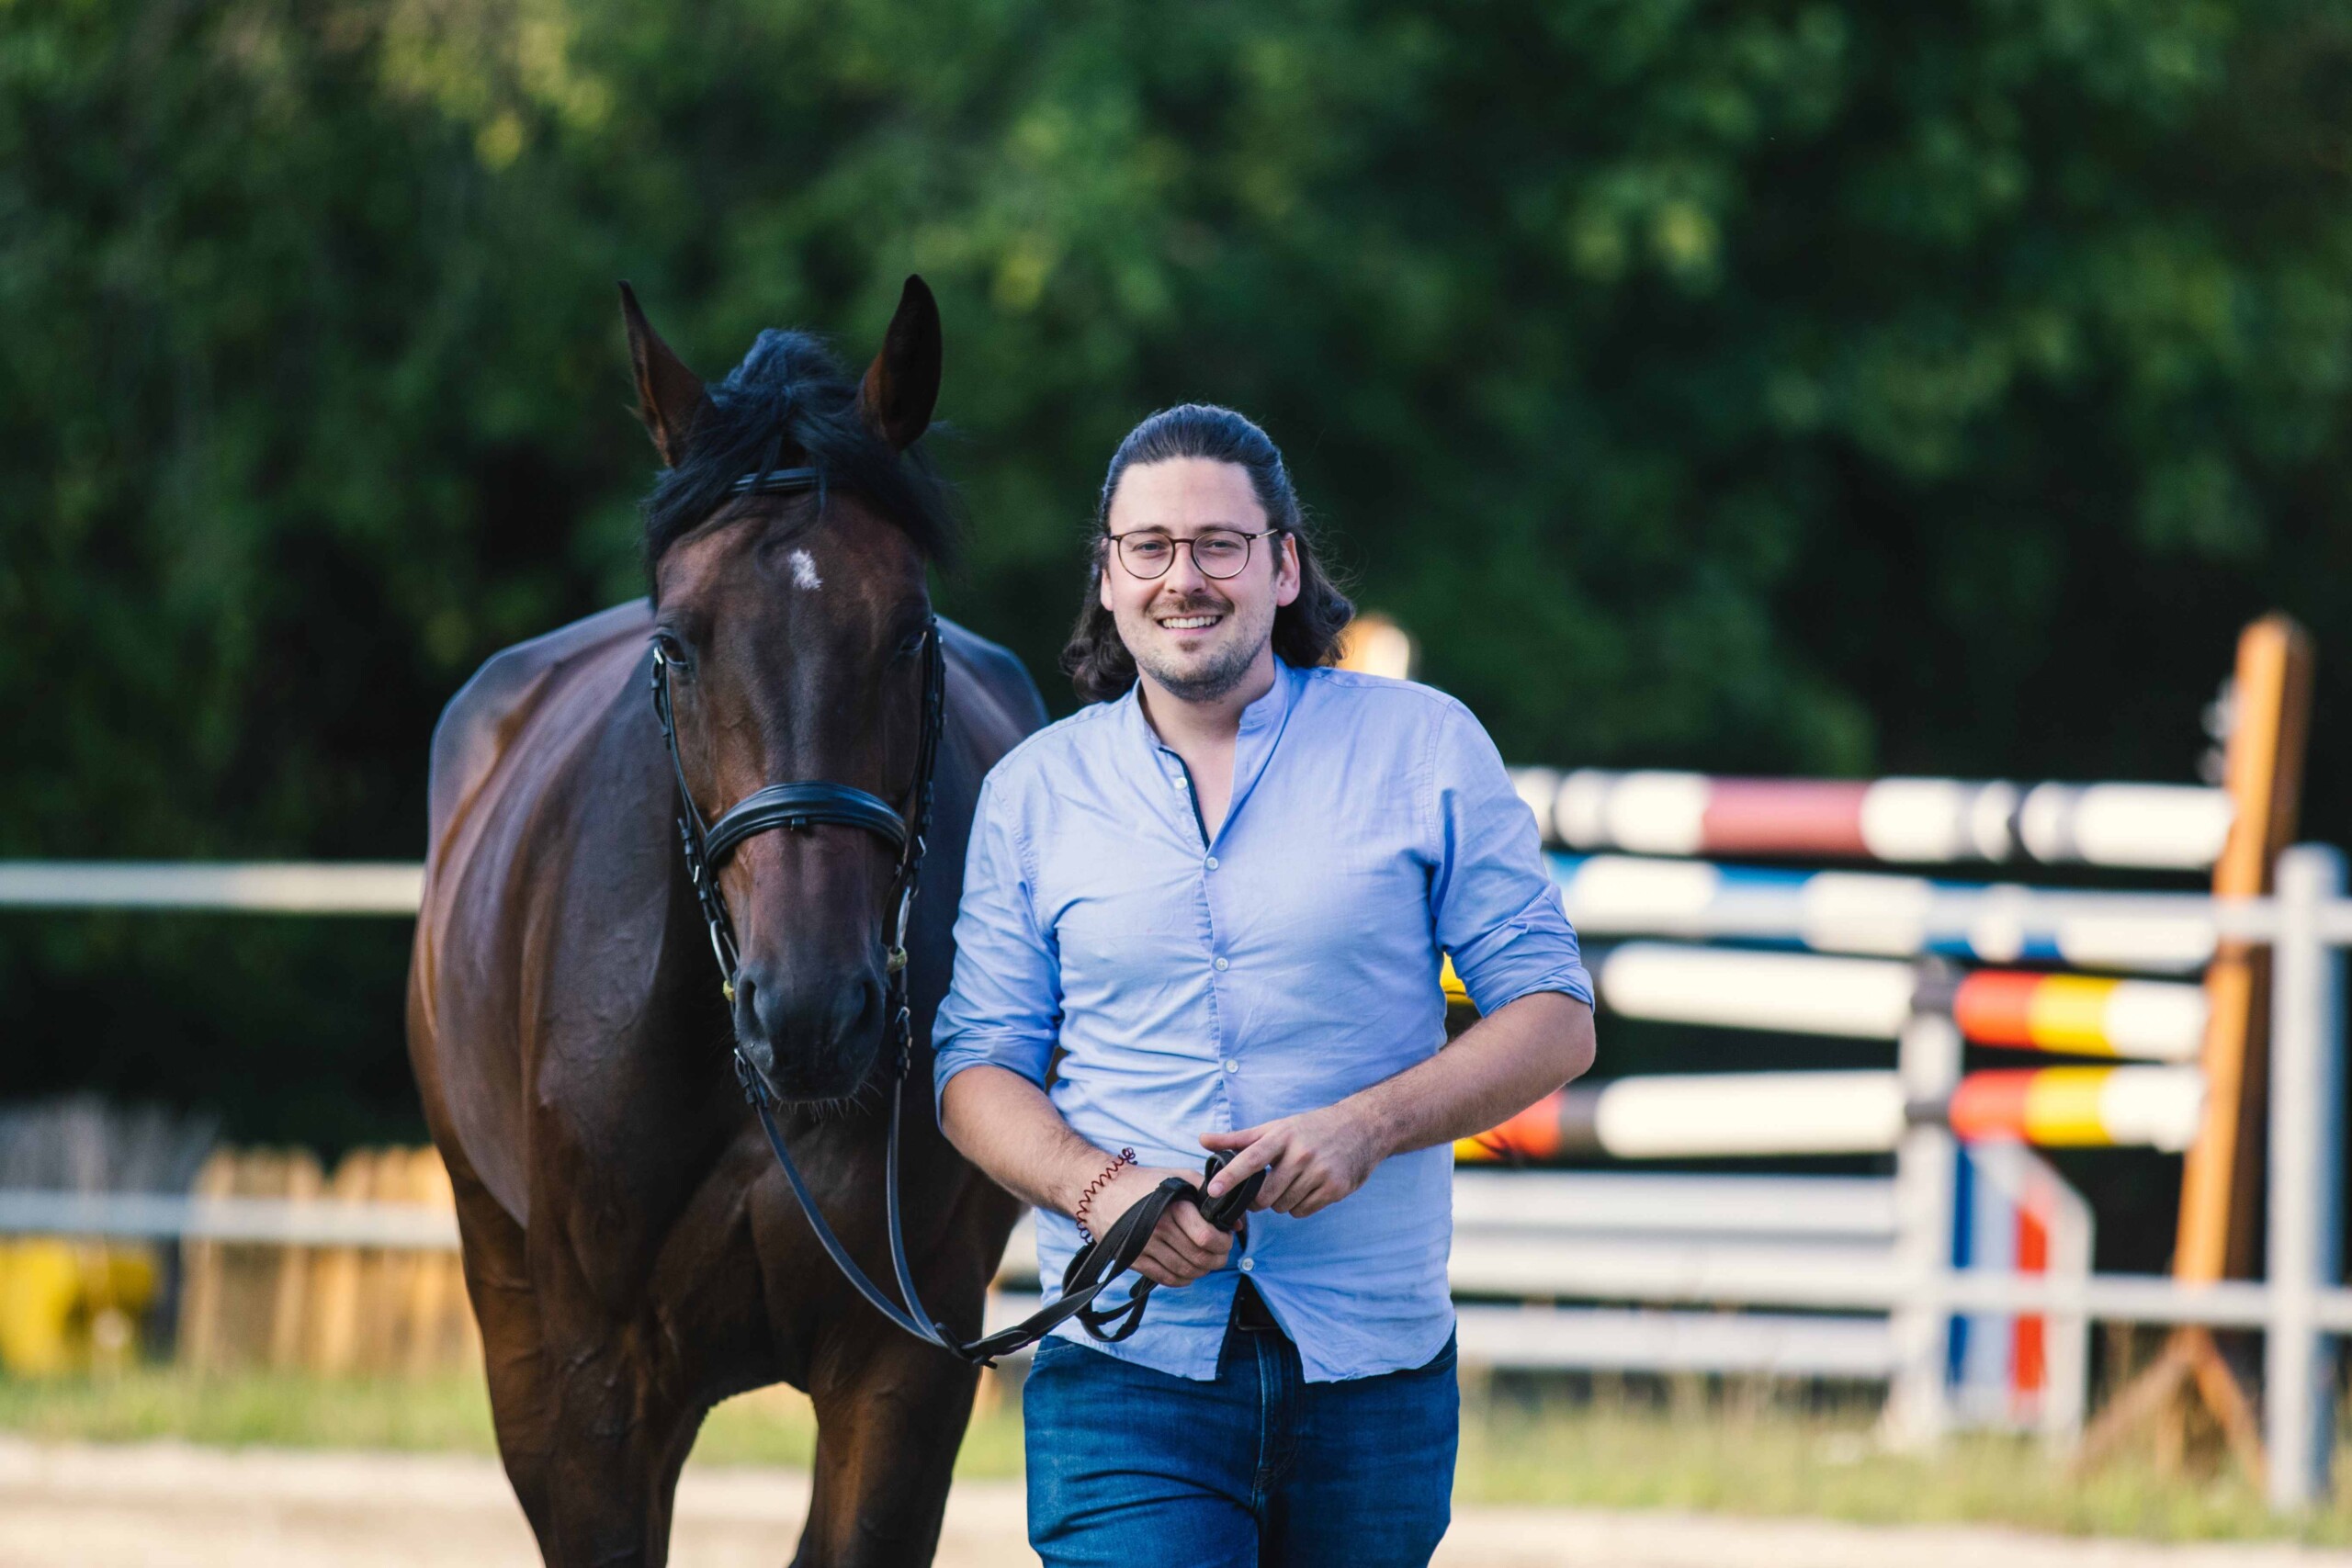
(1183, 1246)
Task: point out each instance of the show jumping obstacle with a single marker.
(1927, 1110)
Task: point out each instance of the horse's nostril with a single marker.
(774, 1017)
(770, 1012)
(852, 1012)
(752, 1033)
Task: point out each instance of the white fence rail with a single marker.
(264, 1222)
(263, 887)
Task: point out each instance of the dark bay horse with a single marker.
(633, 1253)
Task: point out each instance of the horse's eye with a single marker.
(674, 654)
(911, 644)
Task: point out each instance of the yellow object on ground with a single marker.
(40, 1283)
(65, 1305)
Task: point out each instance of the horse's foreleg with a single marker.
(621, 1432)
(889, 1417)
(513, 1343)
(591, 1439)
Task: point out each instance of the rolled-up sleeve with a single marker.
(1496, 912)
(1004, 1005)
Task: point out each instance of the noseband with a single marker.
(797, 806)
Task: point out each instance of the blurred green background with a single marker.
(1811, 387)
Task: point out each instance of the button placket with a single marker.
(1211, 936)
(1218, 965)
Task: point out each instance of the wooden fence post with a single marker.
(2220, 1181)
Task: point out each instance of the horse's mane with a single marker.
(791, 392)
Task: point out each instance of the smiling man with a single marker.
(1209, 911)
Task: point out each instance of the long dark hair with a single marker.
(1306, 630)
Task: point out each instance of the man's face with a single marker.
(1196, 636)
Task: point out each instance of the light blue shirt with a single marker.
(1159, 985)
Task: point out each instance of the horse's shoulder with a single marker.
(490, 708)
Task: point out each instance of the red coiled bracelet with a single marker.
(1126, 1157)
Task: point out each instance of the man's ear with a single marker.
(1287, 578)
(902, 384)
(670, 397)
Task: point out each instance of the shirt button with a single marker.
(1248, 1266)
(1233, 1063)
(1221, 967)
(1212, 862)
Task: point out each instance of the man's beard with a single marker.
(1225, 668)
(1203, 683)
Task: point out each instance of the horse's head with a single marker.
(793, 626)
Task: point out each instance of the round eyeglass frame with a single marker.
(1119, 542)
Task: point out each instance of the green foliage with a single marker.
(1767, 384)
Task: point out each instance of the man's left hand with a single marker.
(1311, 1161)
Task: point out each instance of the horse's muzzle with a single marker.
(809, 1042)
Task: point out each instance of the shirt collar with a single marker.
(1269, 711)
(1266, 713)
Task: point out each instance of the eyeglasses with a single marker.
(1220, 553)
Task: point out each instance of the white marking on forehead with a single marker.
(804, 570)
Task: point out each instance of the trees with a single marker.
(1772, 386)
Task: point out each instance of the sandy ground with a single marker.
(167, 1505)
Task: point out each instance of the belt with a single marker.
(1251, 1314)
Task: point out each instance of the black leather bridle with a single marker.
(805, 804)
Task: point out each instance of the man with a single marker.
(1209, 911)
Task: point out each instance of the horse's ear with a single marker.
(670, 397)
(902, 384)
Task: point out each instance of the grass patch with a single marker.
(1729, 1457)
(438, 1414)
(434, 1415)
(1733, 1453)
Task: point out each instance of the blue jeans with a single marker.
(1131, 1468)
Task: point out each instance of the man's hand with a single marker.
(1311, 1161)
(1182, 1248)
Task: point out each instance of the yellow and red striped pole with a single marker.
(2082, 1014)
